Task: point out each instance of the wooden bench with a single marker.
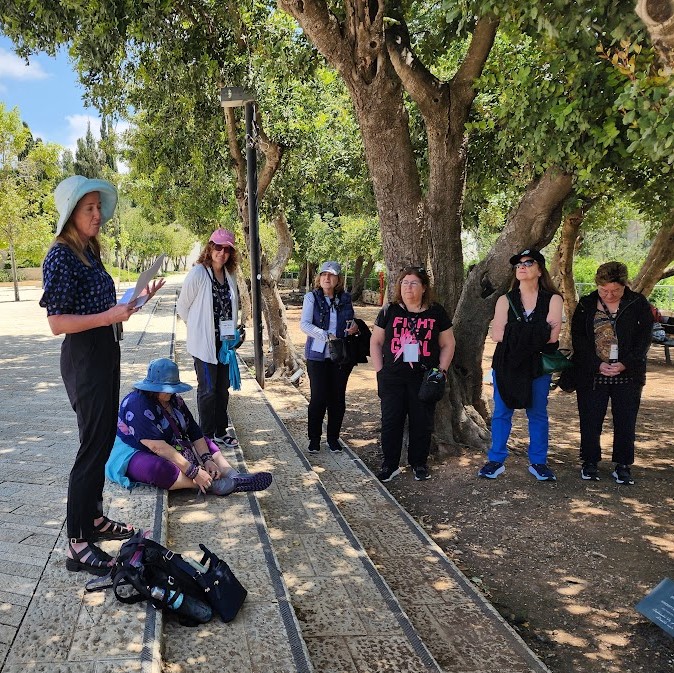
(666, 345)
(669, 343)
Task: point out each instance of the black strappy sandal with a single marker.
(113, 530)
(91, 559)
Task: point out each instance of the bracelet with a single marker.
(192, 471)
(206, 456)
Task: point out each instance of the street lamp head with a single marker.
(235, 96)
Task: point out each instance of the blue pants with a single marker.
(537, 414)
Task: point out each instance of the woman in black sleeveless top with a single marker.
(527, 321)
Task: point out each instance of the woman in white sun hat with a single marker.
(80, 299)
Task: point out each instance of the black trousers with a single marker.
(399, 401)
(212, 397)
(90, 372)
(592, 405)
(328, 394)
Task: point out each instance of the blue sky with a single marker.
(48, 95)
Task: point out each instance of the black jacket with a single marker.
(633, 325)
(517, 359)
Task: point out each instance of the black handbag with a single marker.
(224, 593)
(432, 386)
(340, 351)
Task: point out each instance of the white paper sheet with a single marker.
(143, 281)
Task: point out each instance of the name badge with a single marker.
(226, 328)
(318, 345)
(411, 353)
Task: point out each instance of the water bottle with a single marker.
(613, 351)
(192, 609)
(158, 593)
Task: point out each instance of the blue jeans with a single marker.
(537, 414)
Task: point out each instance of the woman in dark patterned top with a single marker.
(611, 332)
(80, 299)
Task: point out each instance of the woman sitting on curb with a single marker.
(159, 443)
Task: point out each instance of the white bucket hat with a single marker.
(69, 191)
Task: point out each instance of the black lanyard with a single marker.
(216, 292)
(412, 326)
(180, 434)
(609, 315)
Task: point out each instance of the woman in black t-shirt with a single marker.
(411, 335)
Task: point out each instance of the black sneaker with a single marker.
(542, 472)
(491, 469)
(314, 446)
(387, 473)
(622, 475)
(421, 473)
(334, 445)
(589, 471)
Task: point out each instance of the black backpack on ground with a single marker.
(146, 570)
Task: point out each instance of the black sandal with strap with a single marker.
(108, 529)
(91, 559)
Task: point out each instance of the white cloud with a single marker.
(13, 67)
(77, 128)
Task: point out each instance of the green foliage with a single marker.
(28, 171)
(89, 158)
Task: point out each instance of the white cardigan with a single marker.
(195, 307)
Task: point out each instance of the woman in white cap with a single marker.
(209, 305)
(159, 442)
(80, 299)
(327, 312)
(527, 321)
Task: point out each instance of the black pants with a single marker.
(400, 400)
(212, 397)
(592, 405)
(328, 394)
(90, 372)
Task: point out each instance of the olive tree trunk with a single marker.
(568, 245)
(660, 255)
(378, 66)
(658, 17)
(284, 356)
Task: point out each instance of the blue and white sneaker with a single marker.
(542, 472)
(491, 469)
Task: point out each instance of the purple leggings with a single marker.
(149, 468)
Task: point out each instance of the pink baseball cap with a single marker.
(223, 237)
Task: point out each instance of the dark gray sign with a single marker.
(658, 606)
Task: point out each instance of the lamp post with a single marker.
(234, 96)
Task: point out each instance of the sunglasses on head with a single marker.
(417, 269)
(219, 247)
(525, 264)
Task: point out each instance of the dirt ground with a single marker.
(565, 562)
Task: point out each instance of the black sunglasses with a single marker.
(418, 269)
(218, 247)
(526, 263)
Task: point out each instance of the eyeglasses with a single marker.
(525, 264)
(410, 283)
(418, 269)
(218, 247)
